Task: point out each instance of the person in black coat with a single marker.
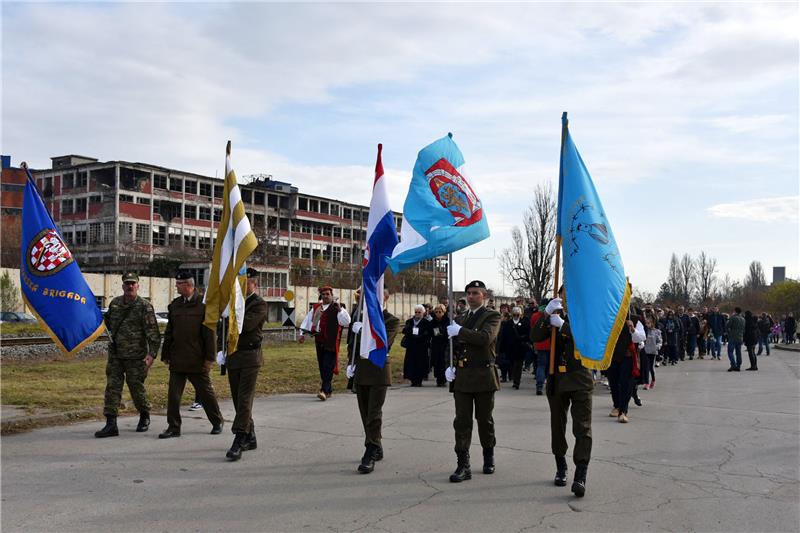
(751, 338)
(514, 342)
(440, 346)
(416, 341)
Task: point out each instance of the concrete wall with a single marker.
(161, 291)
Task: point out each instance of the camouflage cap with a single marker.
(130, 276)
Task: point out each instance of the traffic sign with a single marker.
(287, 317)
(288, 295)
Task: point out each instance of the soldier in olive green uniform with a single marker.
(189, 350)
(243, 366)
(571, 384)
(474, 379)
(370, 383)
(131, 324)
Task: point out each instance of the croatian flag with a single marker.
(381, 240)
(442, 213)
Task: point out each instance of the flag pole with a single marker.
(226, 321)
(356, 317)
(450, 298)
(557, 271)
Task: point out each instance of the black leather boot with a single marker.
(378, 453)
(109, 430)
(235, 453)
(488, 460)
(144, 422)
(561, 472)
(250, 442)
(463, 471)
(579, 483)
(368, 461)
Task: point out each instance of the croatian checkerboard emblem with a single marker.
(47, 253)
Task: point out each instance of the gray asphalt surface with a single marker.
(708, 451)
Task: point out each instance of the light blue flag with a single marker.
(52, 284)
(442, 213)
(598, 294)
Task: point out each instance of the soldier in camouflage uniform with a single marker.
(131, 324)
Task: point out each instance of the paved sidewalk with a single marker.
(709, 451)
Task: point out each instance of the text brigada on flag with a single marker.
(597, 292)
(381, 241)
(442, 213)
(51, 281)
(235, 242)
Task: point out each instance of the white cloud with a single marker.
(760, 210)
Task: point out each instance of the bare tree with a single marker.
(688, 277)
(528, 263)
(674, 278)
(706, 268)
(755, 278)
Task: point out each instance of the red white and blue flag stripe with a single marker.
(381, 241)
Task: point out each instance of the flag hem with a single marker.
(50, 333)
(619, 322)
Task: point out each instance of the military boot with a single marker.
(235, 453)
(109, 430)
(463, 471)
(488, 460)
(368, 461)
(378, 453)
(144, 422)
(250, 442)
(579, 483)
(561, 472)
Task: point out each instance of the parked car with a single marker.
(16, 316)
(162, 317)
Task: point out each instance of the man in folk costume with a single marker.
(325, 323)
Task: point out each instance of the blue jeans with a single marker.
(717, 346)
(763, 341)
(734, 346)
(542, 366)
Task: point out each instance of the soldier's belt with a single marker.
(469, 363)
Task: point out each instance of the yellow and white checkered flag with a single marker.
(235, 242)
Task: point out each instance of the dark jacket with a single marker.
(750, 329)
(188, 344)
(569, 373)
(367, 372)
(474, 350)
(513, 340)
(248, 350)
(670, 330)
(717, 323)
(416, 363)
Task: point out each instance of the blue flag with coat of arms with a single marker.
(442, 213)
(52, 284)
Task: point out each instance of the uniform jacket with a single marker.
(474, 348)
(569, 373)
(367, 372)
(133, 327)
(188, 344)
(248, 350)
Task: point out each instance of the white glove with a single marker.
(221, 358)
(450, 373)
(356, 327)
(453, 329)
(351, 370)
(556, 321)
(553, 306)
(638, 334)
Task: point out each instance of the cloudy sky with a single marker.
(685, 114)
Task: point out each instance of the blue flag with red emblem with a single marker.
(442, 213)
(52, 284)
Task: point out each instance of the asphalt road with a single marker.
(708, 451)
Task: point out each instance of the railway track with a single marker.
(31, 341)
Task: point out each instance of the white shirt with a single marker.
(343, 317)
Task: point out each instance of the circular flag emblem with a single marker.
(47, 253)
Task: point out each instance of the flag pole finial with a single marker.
(380, 147)
(450, 134)
(23, 165)
(228, 149)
